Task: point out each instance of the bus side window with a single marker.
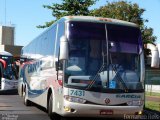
(61, 28)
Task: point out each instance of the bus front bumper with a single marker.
(90, 110)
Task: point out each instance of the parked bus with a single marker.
(8, 73)
(85, 66)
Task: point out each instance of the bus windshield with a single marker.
(104, 56)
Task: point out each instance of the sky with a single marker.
(25, 15)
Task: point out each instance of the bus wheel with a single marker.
(52, 115)
(21, 92)
(26, 101)
(1, 70)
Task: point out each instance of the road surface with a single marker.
(12, 108)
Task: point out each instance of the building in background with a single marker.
(7, 41)
(7, 35)
(152, 78)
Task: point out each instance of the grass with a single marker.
(152, 94)
(153, 105)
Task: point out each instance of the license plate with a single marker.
(78, 93)
(106, 112)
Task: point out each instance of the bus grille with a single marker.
(122, 104)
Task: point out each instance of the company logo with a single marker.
(128, 96)
(34, 66)
(107, 100)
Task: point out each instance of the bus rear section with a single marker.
(8, 73)
(95, 68)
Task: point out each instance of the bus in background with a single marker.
(21, 83)
(8, 73)
(85, 66)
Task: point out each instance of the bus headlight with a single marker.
(135, 103)
(74, 99)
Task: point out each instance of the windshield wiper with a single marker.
(119, 78)
(96, 77)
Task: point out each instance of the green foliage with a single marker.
(152, 105)
(68, 8)
(147, 35)
(119, 10)
(128, 12)
(152, 94)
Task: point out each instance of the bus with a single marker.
(85, 66)
(8, 73)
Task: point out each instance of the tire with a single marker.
(21, 91)
(1, 69)
(26, 101)
(1, 72)
(52, 115)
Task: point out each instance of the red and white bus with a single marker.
(8, 72)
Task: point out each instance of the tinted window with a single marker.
(86, 30)
(123, 38)
(61, 29)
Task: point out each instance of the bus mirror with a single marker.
(63, 49)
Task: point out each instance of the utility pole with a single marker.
(5, 12)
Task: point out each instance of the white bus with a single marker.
(85, 66)
(8, 80)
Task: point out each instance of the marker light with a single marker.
(67, 109)
(60, 82)
(135, 103)
(140, 113)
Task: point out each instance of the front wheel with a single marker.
(1, 73)
(52, 115)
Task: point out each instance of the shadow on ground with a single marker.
(150, 111)
(9, 92)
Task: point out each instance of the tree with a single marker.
(67, 8)
(119, 10)
(129, 12)
(147, 35)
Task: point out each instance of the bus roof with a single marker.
(5, 53)
(99, 19)
(89, 19)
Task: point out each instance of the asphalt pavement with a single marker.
(13, 108)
